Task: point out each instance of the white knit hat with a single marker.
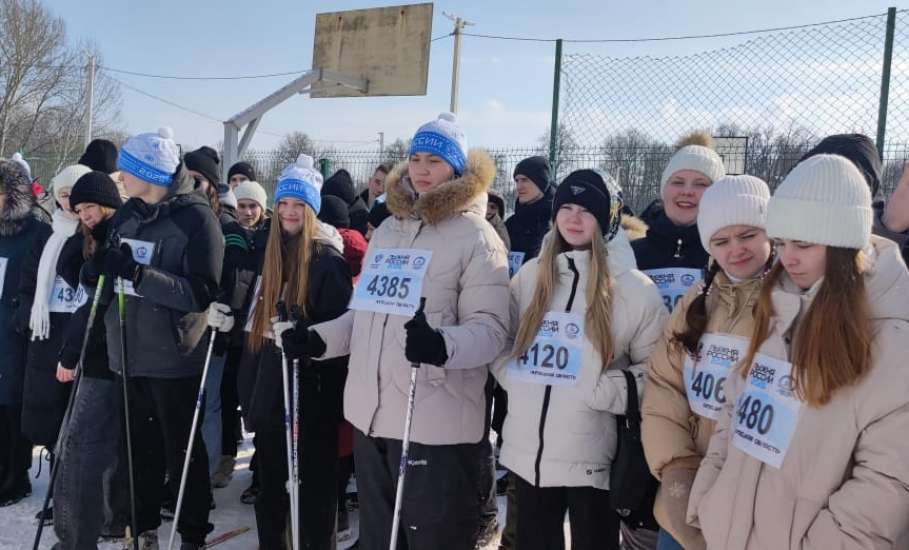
(18, 158)
(694, 157)
(732, 200)
(253, 191)
(151, 157)
(445, 138)
(67, 177)
(824, 200)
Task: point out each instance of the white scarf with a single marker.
(63, 228)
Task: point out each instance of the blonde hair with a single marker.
(598, 318)
(88, 242)
(825, 356)
(273, 276)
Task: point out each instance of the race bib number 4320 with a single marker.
(767, 411)
(392, 281)
(554, 357)
(673, 283)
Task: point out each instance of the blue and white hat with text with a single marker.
(151, 157)
(301, 181)
(444, 138)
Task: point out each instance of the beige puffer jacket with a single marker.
(565, 436)
(844, 482)
(466, 290)
(675, 438)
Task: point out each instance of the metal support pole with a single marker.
(885, 82)
(554, 124)
(325, 168)
(459, 25)
(381, 143)
(89, 99)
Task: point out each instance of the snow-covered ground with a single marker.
(17, 523)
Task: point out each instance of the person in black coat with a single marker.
(341, 185)
(533, 209)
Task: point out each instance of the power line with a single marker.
(166, 101)
(177, 77)
(668, 38)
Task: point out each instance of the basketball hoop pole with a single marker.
(235, 146)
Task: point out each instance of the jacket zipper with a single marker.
(678, 249)
(547, 394)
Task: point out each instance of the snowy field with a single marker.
(17, 523)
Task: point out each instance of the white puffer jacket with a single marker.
(565, 436)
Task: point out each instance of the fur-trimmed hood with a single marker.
(17, 208)
(466, 193)
(634, 227)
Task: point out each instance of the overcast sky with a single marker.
(506, 87)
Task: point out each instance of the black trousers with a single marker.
(541, 514)
(15, 450)
(161, 413)
(230, 403)
(443, 493)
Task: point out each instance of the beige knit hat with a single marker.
(732, 200)
(824, 200)
(694, 157)
(253, 191)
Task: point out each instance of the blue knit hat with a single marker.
(444, 138)
(301, 181)
(151, 157)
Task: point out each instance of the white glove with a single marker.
(278, 328)
(220, 317)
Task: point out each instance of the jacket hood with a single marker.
(340, 185)
(887, 281)
(19, 200)
(466, 193)
(329, 236)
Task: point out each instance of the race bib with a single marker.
(3, 262)
(66, 299)
(515, 261)
(554, 357)
(767, 411)
(143, 251)
(392, 281)
(673, 283)
(705, 375)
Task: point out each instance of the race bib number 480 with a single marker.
(673, 283)
(705, 375)
(554, 358)
(392, 281)
(767, 411)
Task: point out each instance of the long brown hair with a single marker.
(89, 245)
(832, 344)
(273, 270)
(598, 319)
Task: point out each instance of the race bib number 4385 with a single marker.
(554, 357)
(767, 411)
(392, 281)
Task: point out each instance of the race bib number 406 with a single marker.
(554, 358)
(767, 411)
(673, 283)
(705, 375)
(392, 281)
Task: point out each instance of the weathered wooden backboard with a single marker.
(389, 47)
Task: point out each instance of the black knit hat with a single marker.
(96, 187)
(243, 168)
(537, 169)
(340, 185)
(334, 212)
(378, 214)
(859, 149)
(205, 161)
(498, 201)
(100, 155)
(595, 191)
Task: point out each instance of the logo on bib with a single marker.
(762, 375)
(378, 258)
(141, 252)
(688, 279)
(786, 385)
(419, 262)
(572, 330)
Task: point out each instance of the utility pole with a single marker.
(381, 143)
(89, 99)
(459, 25)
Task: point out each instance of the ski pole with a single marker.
(281, 309)
(405, 446)
(64, 427)
(295, 317)
(192, 437)
(121, 303)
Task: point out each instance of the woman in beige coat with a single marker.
(810, 451)
(438, 201)
(707, 334)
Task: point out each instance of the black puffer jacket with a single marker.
(341, 185)
(668, 245)
(529, 224)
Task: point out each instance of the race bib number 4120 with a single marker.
(392, 281)
(554, 357)
(767, 411)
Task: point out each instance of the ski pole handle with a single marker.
(415, 315)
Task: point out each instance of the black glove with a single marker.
(424, 344)
(119, 262)
(100, 231)
(301, 343)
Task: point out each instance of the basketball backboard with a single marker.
(733, 150)
(388, 46)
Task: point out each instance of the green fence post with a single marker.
(885, 82)
(325, 167)
(554, 125)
